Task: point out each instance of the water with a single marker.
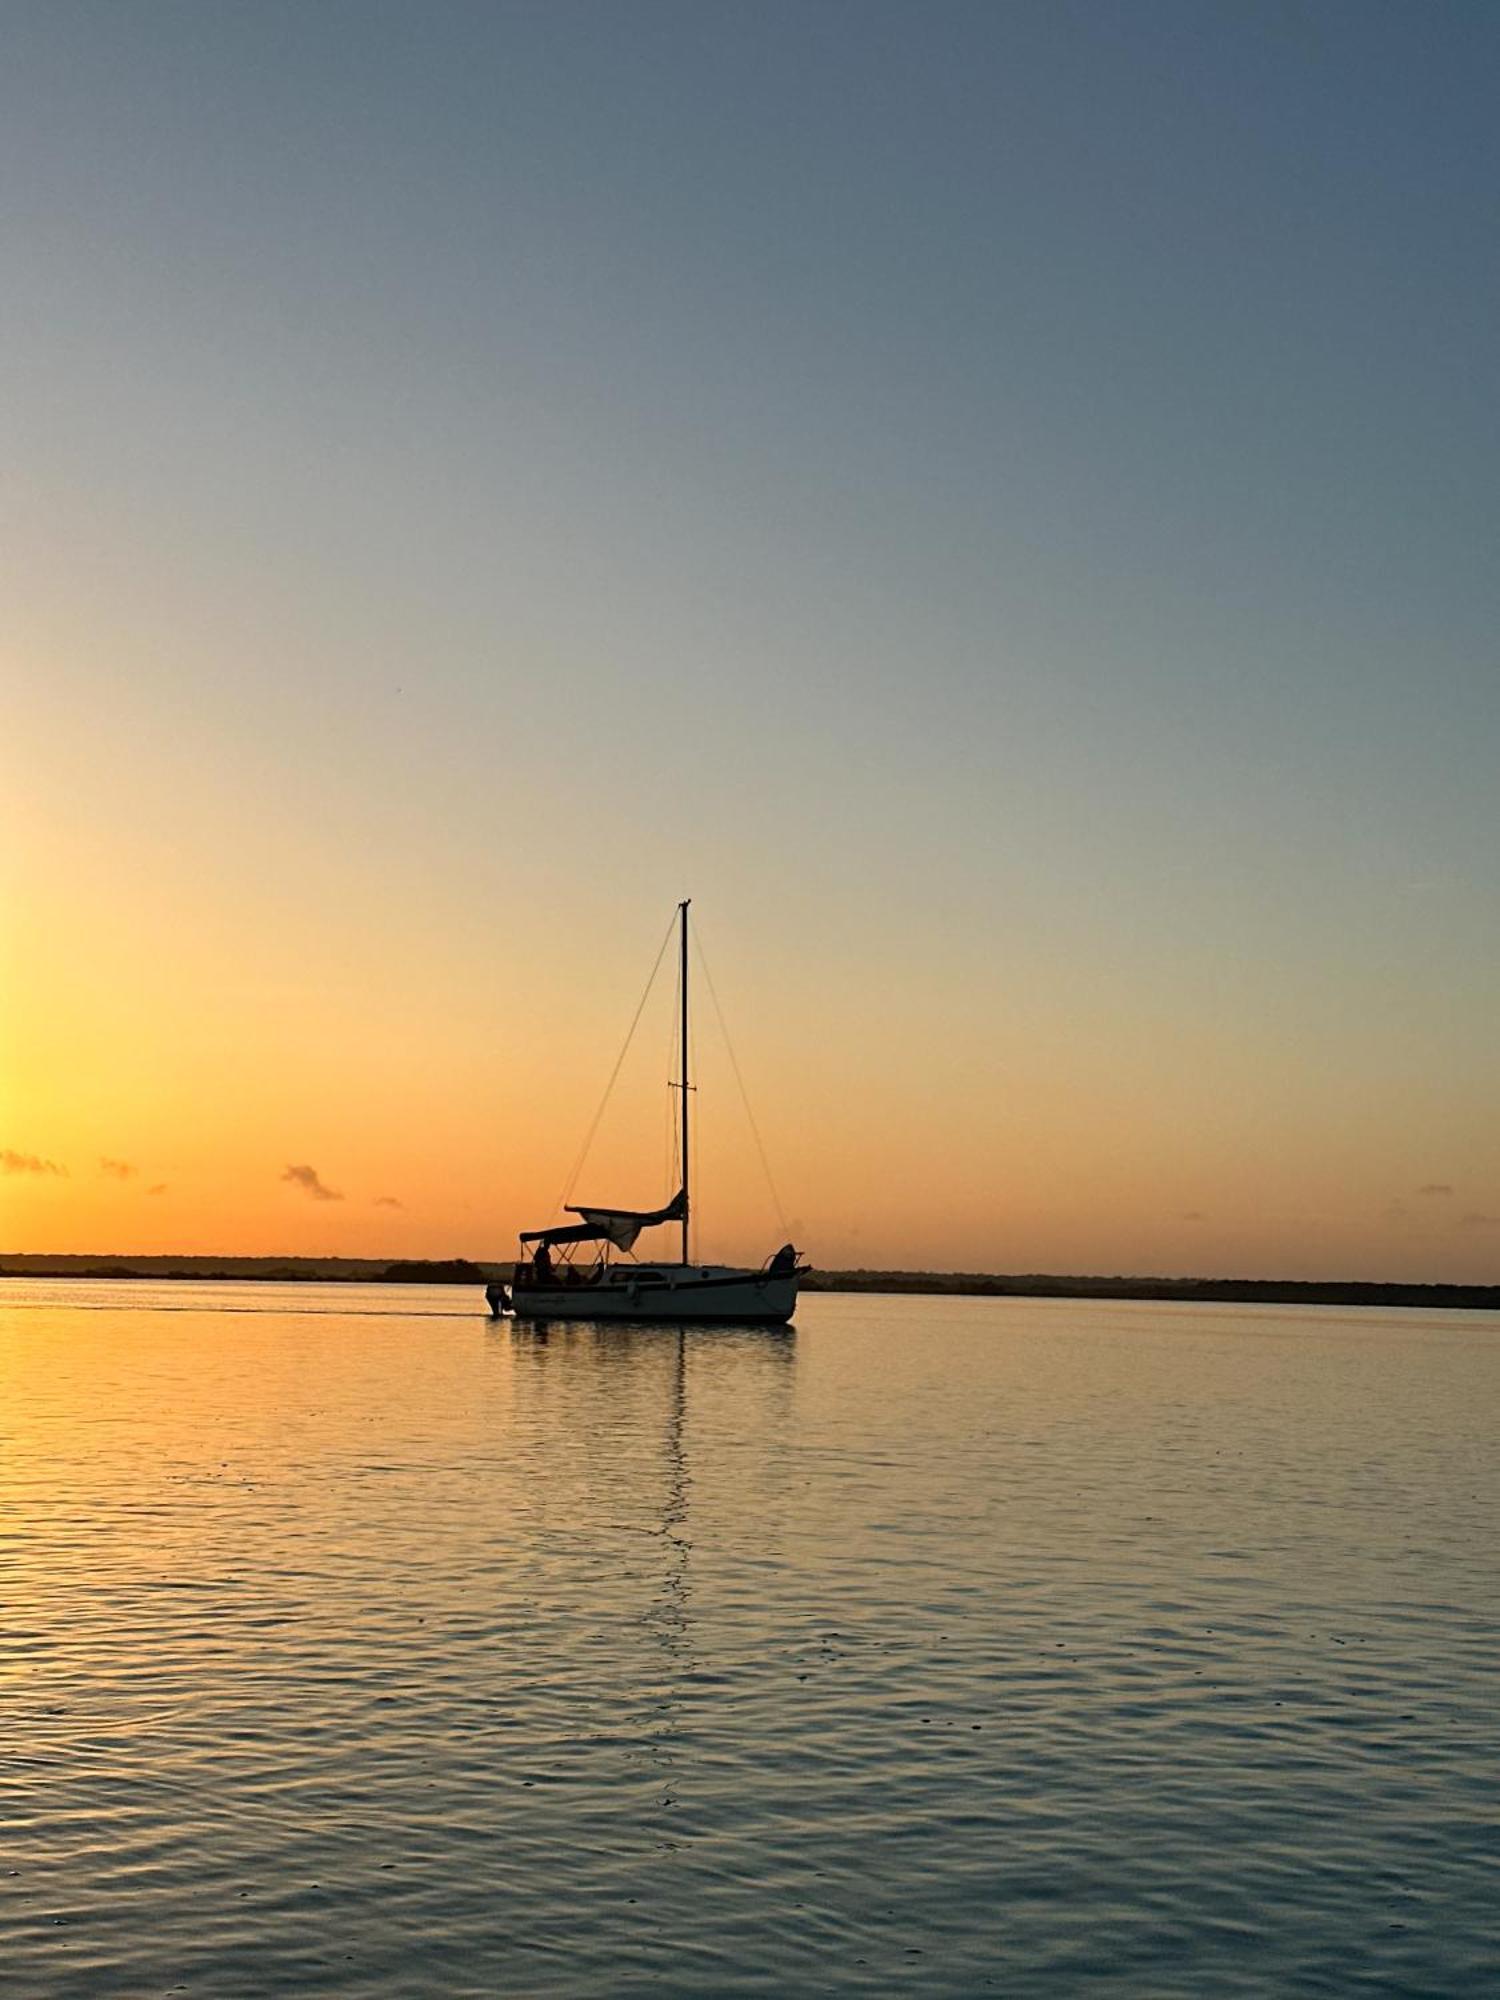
(350, 1644)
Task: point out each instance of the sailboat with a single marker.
(588, 1270)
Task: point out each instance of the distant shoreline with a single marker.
(1030, 1285)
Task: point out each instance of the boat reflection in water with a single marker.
(643, 1484)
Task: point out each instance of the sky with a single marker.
(996, 503)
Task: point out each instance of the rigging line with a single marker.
(671, 1180)
(635, 1021)
(765, 1164)
(674, 1134)
(695, 1115)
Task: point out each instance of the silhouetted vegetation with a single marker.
(445, 1271)
(265, 1270)
(982, 1284)
(1222, 1291)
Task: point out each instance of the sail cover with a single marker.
(619, 1226)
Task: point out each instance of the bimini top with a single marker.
(619, 1226)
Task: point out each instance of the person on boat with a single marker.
(543, 1263)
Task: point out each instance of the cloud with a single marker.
(1193, 1215)
(306, 1178)
(28, 1163)
(160, 1188)
(118, 1170)
(1434, 1187)
(388, 1201)
(1474, 1220)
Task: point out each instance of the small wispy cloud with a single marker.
(1474, 1220)
(28, 1163)
(117, 1170)
(307, 1179)
(1193, 1215)
(159, 1188)
(388, 1201)
(1435, 1188)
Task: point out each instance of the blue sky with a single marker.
(996, 501)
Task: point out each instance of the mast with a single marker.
(682, 909)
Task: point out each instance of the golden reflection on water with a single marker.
(352, 1643)
(593, 1398)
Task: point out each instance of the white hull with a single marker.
(698, 1294)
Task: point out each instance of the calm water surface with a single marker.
(351, 1644)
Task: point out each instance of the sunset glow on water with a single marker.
(354, 1644)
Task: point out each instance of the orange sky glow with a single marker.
(988, 526)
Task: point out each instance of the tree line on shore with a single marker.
(1033, 1285)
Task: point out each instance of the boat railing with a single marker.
(527, 1272)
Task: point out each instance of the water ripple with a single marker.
(352, 1645)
